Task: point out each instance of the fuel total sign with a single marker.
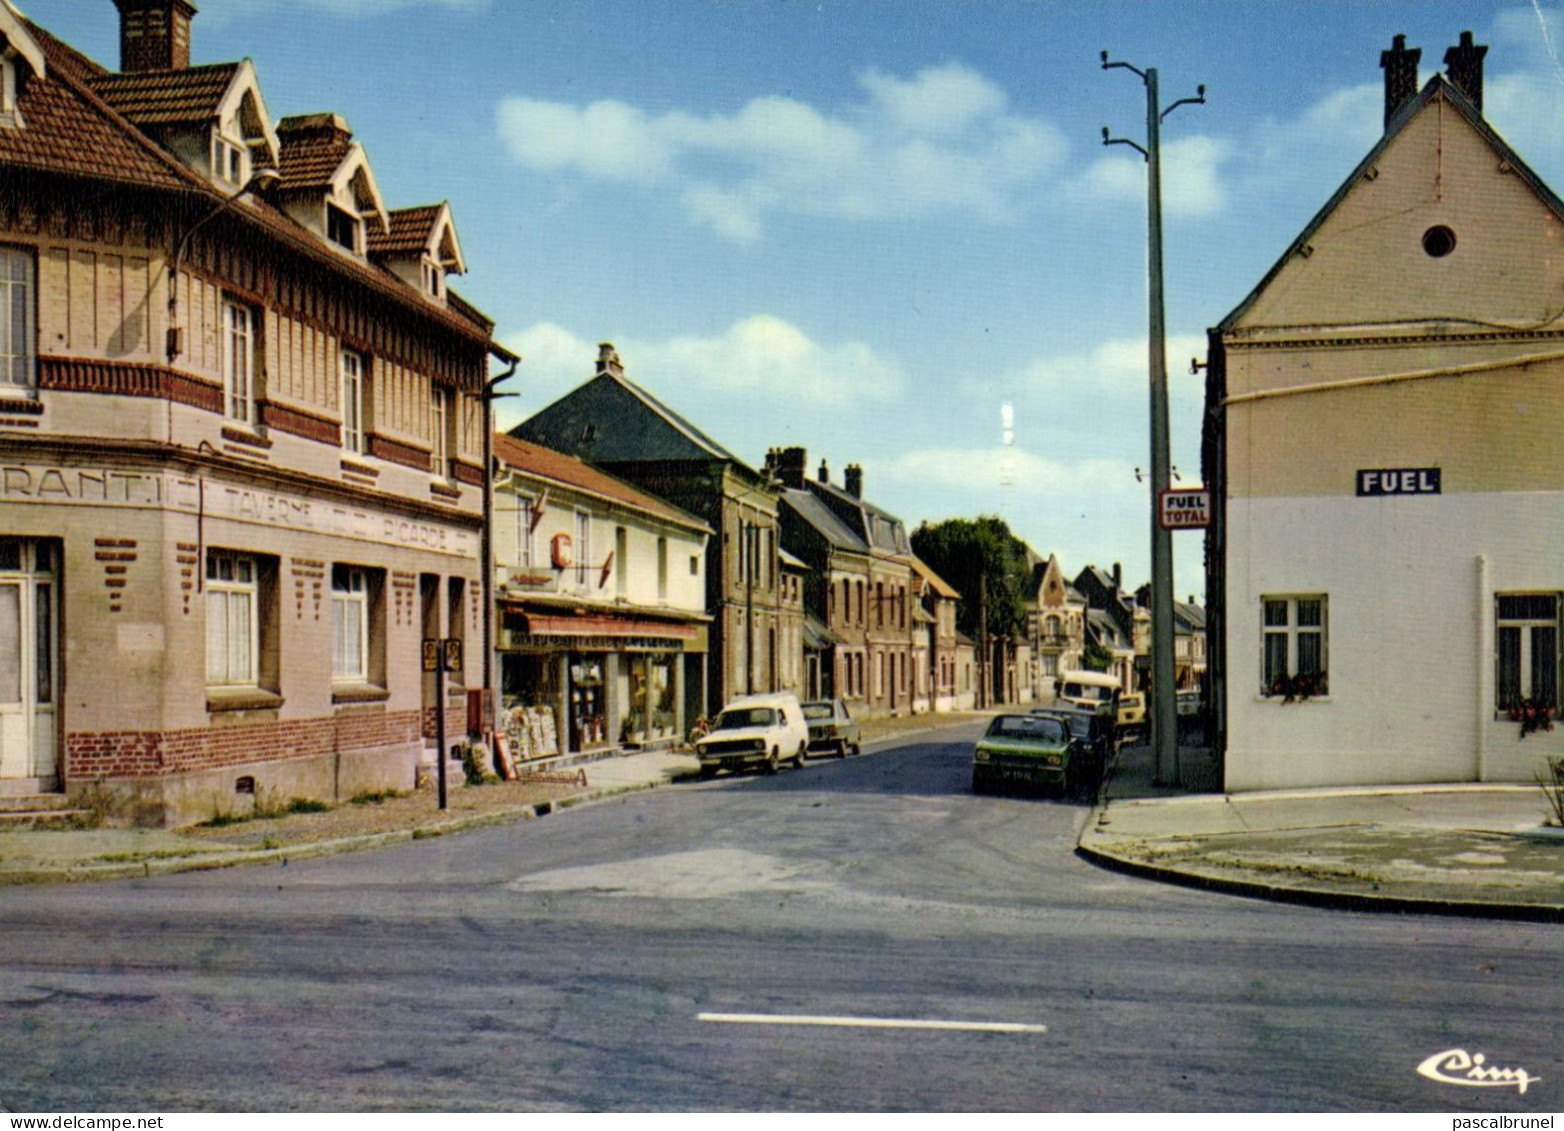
(1184, 508)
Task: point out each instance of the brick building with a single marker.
(241, 439)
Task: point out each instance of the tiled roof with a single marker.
(310, 162)
(545, 463)
(68, 130)
(160, 98)
(409, 232)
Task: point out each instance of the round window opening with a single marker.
(1439, 241)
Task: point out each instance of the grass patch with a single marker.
(376, 797)
(265, 811)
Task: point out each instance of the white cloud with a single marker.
(1118, 369)
(1192, 185)
(761, 353)
(942, 142)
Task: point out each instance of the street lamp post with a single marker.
(1164, 717)
(264, 177)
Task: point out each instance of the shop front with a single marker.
(573, 683)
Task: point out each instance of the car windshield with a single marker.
(1027, 726)
(740, 717)
(817, 710)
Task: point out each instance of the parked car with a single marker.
(1132, 712)
(1187, 702)
(831, 728)
(755, 730)
(1031, 749)
(1090, 689)
(1097, 732)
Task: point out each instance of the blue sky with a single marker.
(865, 226)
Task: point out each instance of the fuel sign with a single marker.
(1183, 508)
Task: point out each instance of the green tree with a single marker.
(1096, 658)
(986, 564)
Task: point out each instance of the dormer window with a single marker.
(227, 160)
(342, 228)
(9, 84)
(434, 278)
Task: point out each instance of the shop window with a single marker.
(1293, 652)
(18, 332)
(1527, 641)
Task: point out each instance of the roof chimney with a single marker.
(1400, 67)
(854, 480)
(825, 473)
(1464, 69)
(790, 464)
(154, 35)
(1118, 577)
(608, 360)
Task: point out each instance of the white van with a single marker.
(1093, 690)
(755, 730)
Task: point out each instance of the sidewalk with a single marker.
(1459, 849)
(54, 856)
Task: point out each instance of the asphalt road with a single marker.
(566, 964)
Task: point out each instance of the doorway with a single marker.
(29, 662)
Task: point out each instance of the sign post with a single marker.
(441, 656)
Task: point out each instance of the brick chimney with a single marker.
(825, 473)
(1400, 67)
(854, 482)
(608, 360)
(789, 466)
(154, 35)
(1464, 69)
(1118, 577)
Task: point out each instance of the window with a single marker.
(342, 228)
(239, 362)
(434, 277)
(695, 565)
(583, 546)
(232, 640)
(16, 322)
(10, 79)
(526, 514)
(1293, 655)
(227, 160)
(621, 561)
(455, 599)
(662, 570)
(439, 424)
(353, 437)
(349, 623)
(1528, 650)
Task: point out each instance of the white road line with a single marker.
(868, 1022)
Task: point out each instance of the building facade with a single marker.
(601, 593)
(240, 454)
(1056, 624)
(1384, 599)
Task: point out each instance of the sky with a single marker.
(865, 227)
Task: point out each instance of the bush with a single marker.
(1553, 790)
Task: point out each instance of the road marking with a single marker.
(868, 1022)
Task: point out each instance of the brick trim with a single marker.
(19, 407)
(128, 379)
(468, 473)
(296, 422)
(240, 436)
(394, 451)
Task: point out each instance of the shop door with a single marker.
(28, 647)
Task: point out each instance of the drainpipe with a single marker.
(1484, 665)
(486, 553)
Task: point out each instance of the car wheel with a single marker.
(979, 781)
(770, 764)
(708, 771)
(798, 759)
(841, 749)
(857, 750)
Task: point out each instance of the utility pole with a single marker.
(1164, 715)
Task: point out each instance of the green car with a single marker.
(1028, 748)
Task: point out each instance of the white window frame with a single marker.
(355, 225)
(526, 507)
(583, 547)
(227, 159)
(9, 80)
(439, 434)
(1526, 673)
(434, 276)
(351, 366)
(349, 624)
(233, 649)
(239, 362)
(18, 345)
(1289, 629)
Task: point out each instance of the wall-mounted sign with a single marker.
(1384, 481)
(1183, 508)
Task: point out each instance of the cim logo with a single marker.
(1471, 1070)
(1398, 481)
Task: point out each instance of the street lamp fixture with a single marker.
(262, 178)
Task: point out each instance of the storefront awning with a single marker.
(817, 637)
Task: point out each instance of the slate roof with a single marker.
(611, 419)
(162, 98)
(820, 516)
(557, 467)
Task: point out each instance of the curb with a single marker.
(214, 861)
(1319, 897)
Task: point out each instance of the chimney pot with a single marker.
(154, 35)
(608, 360)
(854, 483)
(1464, 69)
(825, 473)
(790, 464)
(1118, 576)
(1400, 67)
